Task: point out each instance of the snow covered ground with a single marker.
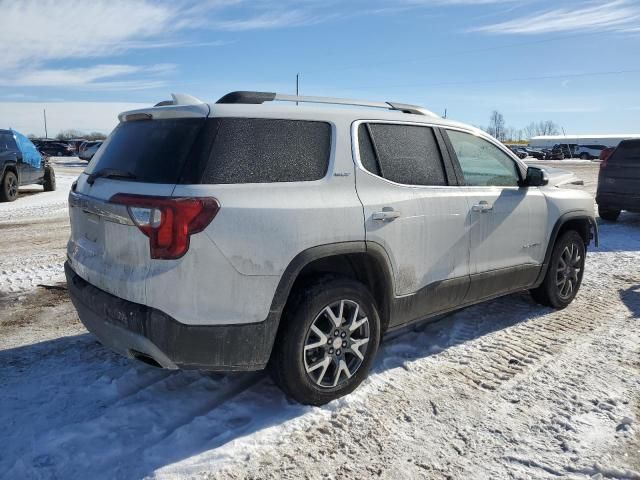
(506, 389)
(33, 256)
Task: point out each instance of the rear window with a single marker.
(155, 151)
(217, 150)
(261, 150)
(627, 152)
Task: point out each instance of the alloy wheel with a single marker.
(12, 187)
(568, 270)
(336, 344)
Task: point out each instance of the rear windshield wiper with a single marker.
(110, 173)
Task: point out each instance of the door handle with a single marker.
(482, 207)
(386, 214)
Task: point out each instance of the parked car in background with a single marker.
(21, 164)
(75, 143)
(88, 150)
(535, 153)
(518, 150)
(589, 152)
(619, 181)
(54, 149)
(248, 234)
(562, 151)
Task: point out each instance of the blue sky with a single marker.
(574, 62)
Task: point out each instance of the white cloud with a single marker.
(268, 20)
(619, 15)
(32, 31)
(35, 33)
(89, 77)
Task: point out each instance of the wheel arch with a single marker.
(10, 167)
(580, 221)
(355, 260)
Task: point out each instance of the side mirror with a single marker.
(536, 177)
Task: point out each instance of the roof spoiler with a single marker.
(180, 99)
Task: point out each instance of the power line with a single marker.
(501, 80)
(420, 59)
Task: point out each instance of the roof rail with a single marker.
(255, 98)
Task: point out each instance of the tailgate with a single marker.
(106, 248)
(146, 156)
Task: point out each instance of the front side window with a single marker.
(482, 163)
(406, 154)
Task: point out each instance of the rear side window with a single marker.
(264, 150)
(153, 151)
(406, 154)
(628, 152)
(7, 143)
(367, 153)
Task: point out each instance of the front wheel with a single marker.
(564, 273)
(609, 214)
(328, 341)
(49, 179)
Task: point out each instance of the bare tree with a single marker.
(95, 136)
(496, 125)
(547, 127)
(69, 134)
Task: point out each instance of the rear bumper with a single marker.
(618, 201)
(138, 331)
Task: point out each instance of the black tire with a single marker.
(291, 366)
(565, 267)
(9, 187)
(585, 156)
(49, 183)
(609, 214)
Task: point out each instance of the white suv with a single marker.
(247, 233)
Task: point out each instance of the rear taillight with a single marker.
(168, 221)
(604, 157)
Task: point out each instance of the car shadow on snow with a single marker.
(631, 298)
(70, 407)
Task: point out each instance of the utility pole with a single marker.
(46, 135)
(445, 113)
(297, 86)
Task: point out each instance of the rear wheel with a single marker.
(328, 342)
(9, 187)
(608, 214)
(564, 273)
(49, 179)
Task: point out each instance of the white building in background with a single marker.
(548, 141)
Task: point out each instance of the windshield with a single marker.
(152, 151)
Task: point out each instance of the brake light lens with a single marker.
(169, 222)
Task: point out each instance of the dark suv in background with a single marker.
(561, 151)
(21, 164)
(619, 181)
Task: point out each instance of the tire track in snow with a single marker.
(547, 397)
